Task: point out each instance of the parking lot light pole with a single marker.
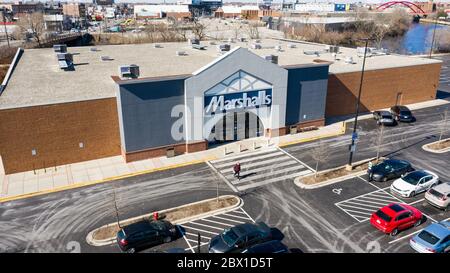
(352, 147)
(4, 24)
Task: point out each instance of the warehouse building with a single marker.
(185, 98)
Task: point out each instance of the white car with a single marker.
(414, 182)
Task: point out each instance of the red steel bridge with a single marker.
(411, 6)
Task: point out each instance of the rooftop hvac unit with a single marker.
(256, 46)
(327, 48)
(224, 47)
(93, 49)
(360, 51)
(278, 48)
(180, 53)
(194, 41)
(65, 60)
(311, 52)
(157, 46)
(272, 58)
(60, 48)
(242, 39)
(348, 60)
(334, 49)
(129, 71)
(197, 46)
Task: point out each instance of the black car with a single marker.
(384, 117)
(240, 237)
(389, 169)
(144, 234)
(402, 113)
(273, 246)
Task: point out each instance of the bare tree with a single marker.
(199, 30)
(443, 127)
(116, 208)
(33, 24)
(253, 31)
(320, 154)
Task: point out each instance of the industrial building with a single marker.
(183, 97)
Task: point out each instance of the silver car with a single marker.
(439, 196)
(383, 117)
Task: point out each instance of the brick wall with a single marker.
(381, 88)
(55, 131)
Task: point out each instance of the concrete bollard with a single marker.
(224, 150)
(239, 148)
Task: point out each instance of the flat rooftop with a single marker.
(38, 80)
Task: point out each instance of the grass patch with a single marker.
(172, 215)
(440, 145)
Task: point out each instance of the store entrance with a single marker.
(235, 126)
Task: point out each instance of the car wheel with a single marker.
(416, 224)
(167, 239)
(412, 194)
(394, 232)
(131, 250)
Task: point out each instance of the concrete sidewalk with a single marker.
(80, 174)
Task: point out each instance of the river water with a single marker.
(417, 40)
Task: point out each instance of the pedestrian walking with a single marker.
(237, 170)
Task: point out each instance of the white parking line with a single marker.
(187, 242)
(202, 230)
(362, 204)
(415, 202)
(215, 222)
(193, 234)
(195, 223)
(296, 159)
(227, 219)
(193, 251)
(379, 199)
(372, 210)
(235, 216)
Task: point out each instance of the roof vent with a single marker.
(106, 58)
(65, 60)
(311, 52)
(278, 48)
(194, 41)
(242, 39)
(230, 40)
(291, 46)
(256, 46)
(349, 60)
(94, 49)
(157, 46)
(223, 47)
(272, 58)
(60, 48)
(129, 71)
(180, 53)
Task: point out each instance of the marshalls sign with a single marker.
(231, 101)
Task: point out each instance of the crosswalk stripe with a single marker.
(249, 167)
(254, 177)
(250, 158)
(228, 158)
(253, 185)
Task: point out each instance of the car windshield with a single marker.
(386, 116)
(158, 225)
(428, 237)
(383, 166)
(407, 113)
(414, 177)
(383, 216)
(229, 236)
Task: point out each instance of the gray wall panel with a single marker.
(146, 113)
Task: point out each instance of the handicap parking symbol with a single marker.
(337, 191)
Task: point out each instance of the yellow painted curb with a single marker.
(113, 178)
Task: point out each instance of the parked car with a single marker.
(395, 217)
(239, 237)
(439, 196)
(402, 113)
(389, 169)
(145, 233)
(414, 182)
(435, 238)
(384, 117)
(274, 246)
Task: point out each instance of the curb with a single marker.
(342, 132)
(301, 185)
(108, 179)
(441, 151)
(91, 241)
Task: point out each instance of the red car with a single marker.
(395, 217)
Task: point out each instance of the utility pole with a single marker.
(354, 135)
(4, 24)
(434, 33)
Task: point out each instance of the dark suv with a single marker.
(240, 237)
(144, 234)
(402, 113)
